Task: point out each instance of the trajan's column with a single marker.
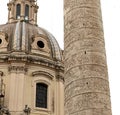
(86, 77)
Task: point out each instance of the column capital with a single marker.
(16, 67)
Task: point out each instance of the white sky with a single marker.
(50, 17)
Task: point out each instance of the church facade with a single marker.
(38, 78)
(31, 64)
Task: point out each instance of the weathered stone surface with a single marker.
(87, 85)
(88, 101)
(86, 71)
(86, 77)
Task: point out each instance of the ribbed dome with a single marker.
(29, 39)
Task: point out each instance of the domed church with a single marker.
(31, 64)
(33, 78)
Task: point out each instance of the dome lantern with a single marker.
(22, 10)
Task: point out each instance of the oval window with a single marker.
(40, 44)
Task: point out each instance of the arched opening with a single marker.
(41, 95)
(18, 11)
(26, 12)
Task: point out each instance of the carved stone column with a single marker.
(86, 77)
(22, 10)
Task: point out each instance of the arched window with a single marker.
(41, 95)
(26, 12)
(18, 11)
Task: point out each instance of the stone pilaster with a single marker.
(11, 12)
(17, 86)
(22, 10)
(1, 83)
(86, 78)
(59, 95)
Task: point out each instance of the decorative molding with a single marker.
(17, 68)
(60, 78)
(60, 72)
(31, 59)
(36, 73)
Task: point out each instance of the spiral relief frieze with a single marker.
(86, 76)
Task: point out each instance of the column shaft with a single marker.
(86, 77)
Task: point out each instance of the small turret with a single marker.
(22, 10)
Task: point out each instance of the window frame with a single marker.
(47, 82)
(46, 102)
(27, 13)
(46, 78)
(18, 8)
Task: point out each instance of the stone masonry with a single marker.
(86, 76)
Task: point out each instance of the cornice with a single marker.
(31, 59)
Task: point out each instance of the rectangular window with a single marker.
(41, 95)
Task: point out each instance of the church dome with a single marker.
(27, 39)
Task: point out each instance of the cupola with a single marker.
(22, 10)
